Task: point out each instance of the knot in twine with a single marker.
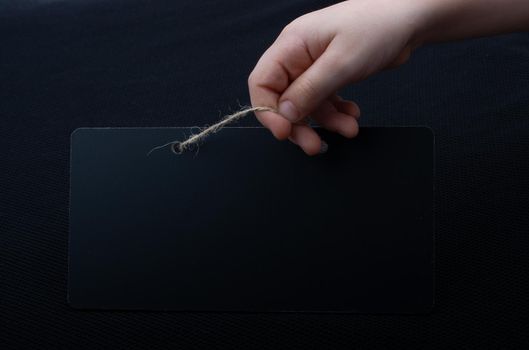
(179, 147)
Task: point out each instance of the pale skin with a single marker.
(320, 52)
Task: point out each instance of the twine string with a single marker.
(179, 147)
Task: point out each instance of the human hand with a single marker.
(319, 53)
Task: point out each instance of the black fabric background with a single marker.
(65, 65)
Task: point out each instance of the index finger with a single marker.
(266, 83)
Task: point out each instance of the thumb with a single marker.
(326, 75)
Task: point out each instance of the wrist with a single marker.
(445, 20)
(424, 16)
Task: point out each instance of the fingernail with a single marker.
(324, 147)
(288, 110)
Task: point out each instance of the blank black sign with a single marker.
(248, 223)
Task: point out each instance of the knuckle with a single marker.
(292, 26)
(251, 79)
(287, 29)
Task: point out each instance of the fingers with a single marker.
(283, 62)
(334, 114)
(326, 75)
(279, 126)
(334, 119)
(296, 80)
(306, 138)
(265, 84)
(345, 106)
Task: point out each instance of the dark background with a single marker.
(86, 63)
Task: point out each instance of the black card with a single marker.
(248, 223)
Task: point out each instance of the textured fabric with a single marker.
(179, 63)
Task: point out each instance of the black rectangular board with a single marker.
(248, 223)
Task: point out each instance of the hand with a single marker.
(319, 53)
